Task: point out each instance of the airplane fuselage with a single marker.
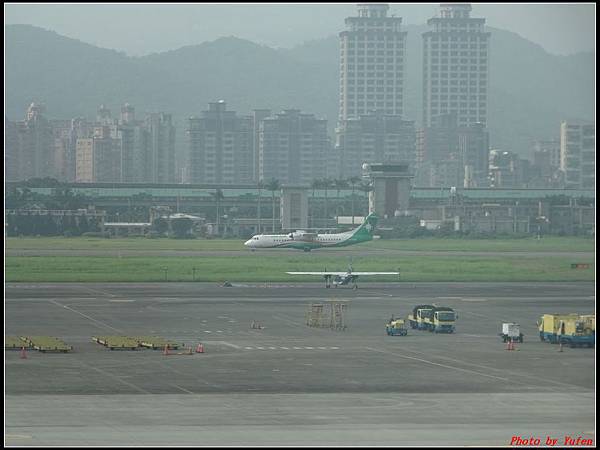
(318, 241)
(302, 240)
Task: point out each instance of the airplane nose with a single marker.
(247, 243)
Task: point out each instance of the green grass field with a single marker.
(253, 268)
(546, 244)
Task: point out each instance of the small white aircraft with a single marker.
(341, 278)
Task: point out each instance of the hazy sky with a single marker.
(139, 29)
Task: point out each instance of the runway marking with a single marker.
(86, 316)
(228, 344)
(122, 301)
(95, 291)
(104, 372)
(473, 300)
(476, 314)
(25, 436)
(182, 389)
(383, 294)
(219, 331)
(499, 370)
(437, 364)
(288, 348)
(206, 331)
(291, 322)
(449, 298)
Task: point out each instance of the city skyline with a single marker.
(372, 127)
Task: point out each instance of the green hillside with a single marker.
(530, 92)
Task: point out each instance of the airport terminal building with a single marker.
(503, 211)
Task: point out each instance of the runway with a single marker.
(289, 383)
(345, 252)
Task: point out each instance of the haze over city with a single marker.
(140, 29)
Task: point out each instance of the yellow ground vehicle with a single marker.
(396, 328)
(590, 321)
(549, 326)
(572, 329)
(442, 320)
(420, 315)
(578, 332)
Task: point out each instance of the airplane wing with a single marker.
(343, 273)
(318, 273)
(374, 273)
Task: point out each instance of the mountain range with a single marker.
(531, 91)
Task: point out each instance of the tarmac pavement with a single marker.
(287, 383)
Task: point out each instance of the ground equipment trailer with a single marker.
(419, 315)
(511, 332)
(590, 321)
(549, 326)
(575, 333)
(396, 327)
(441, 320)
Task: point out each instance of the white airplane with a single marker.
(341, 278)
(302, 240)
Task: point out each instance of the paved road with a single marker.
(288, 383)
(293, 419)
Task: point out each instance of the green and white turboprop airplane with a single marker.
(302, 240)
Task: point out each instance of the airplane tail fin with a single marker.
(367, 228)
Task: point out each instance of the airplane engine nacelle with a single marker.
(301, 235)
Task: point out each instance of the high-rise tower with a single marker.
(371, 63)
(455, 66)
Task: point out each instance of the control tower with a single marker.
(391, 188)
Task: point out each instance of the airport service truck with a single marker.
(437, 319)
(511, 332)
(442, 320)
(550, 324)
(419, 315)
(572, 329)
(578, 332)
(590, 321)
(396, 327)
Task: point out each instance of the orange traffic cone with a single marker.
(166, 352)
(509, 345)
(23, 353)
(200, 348)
